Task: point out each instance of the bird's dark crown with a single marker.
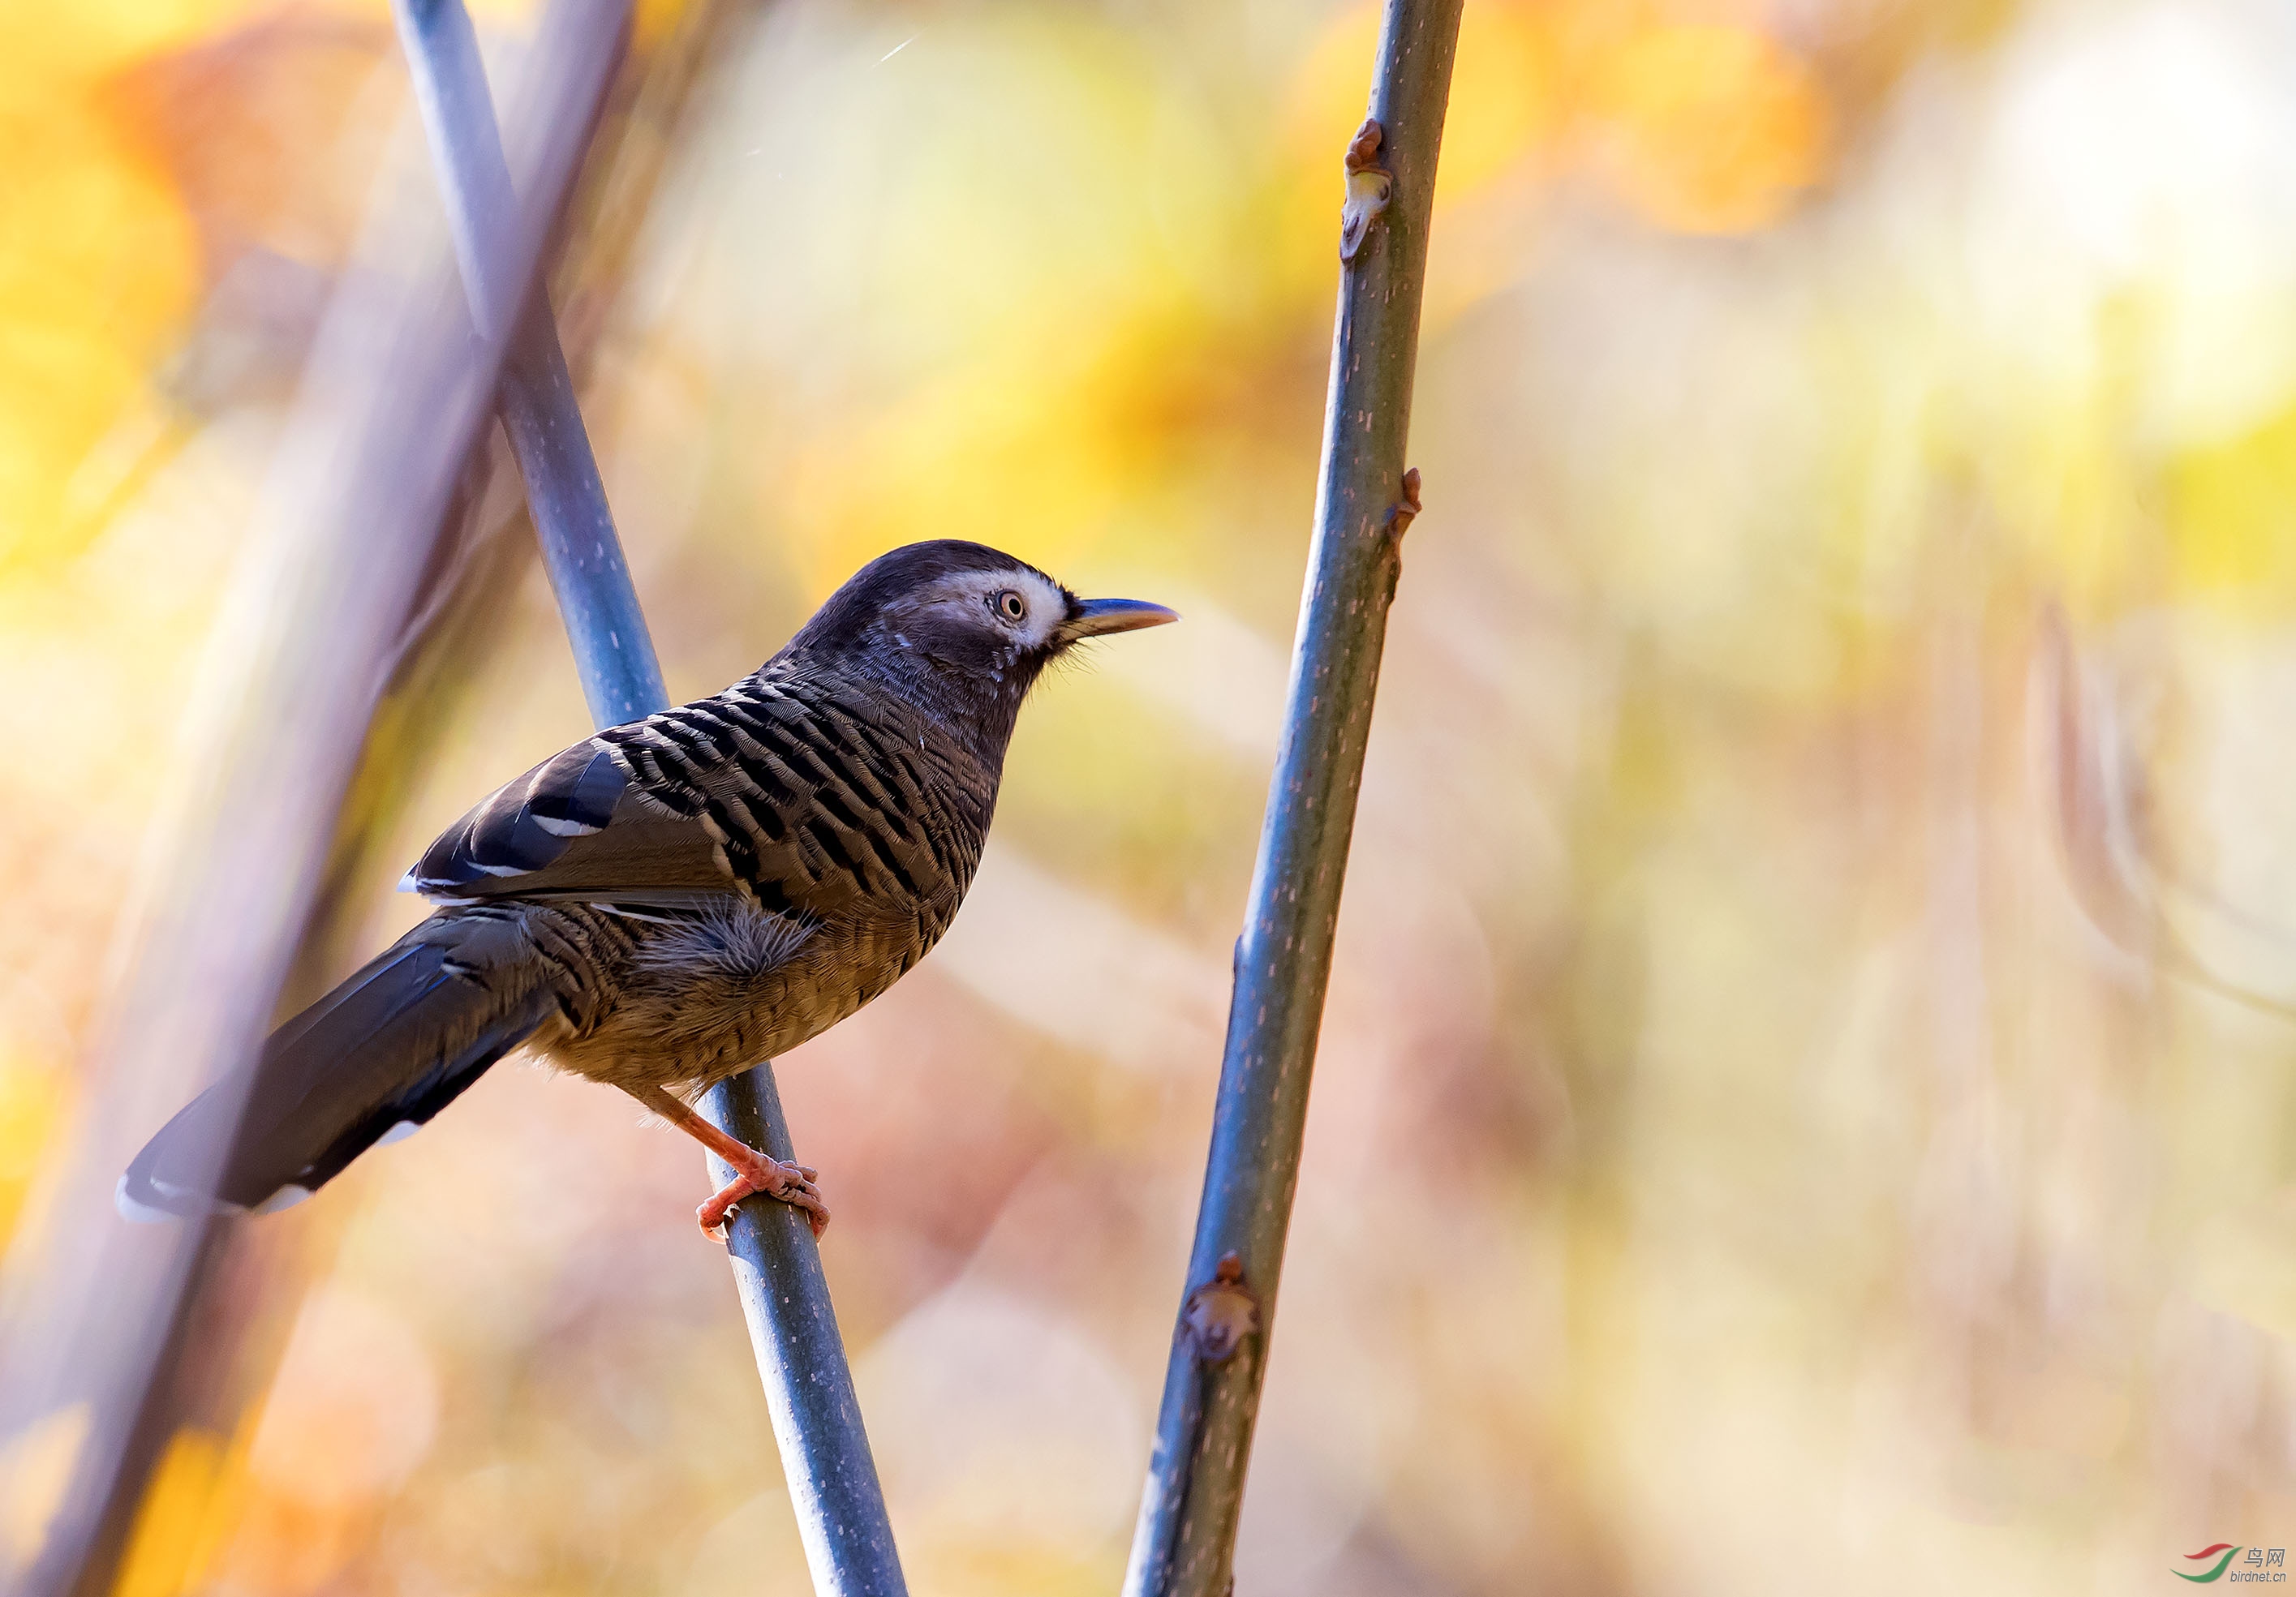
(917, 577)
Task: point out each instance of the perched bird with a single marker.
(668, 902)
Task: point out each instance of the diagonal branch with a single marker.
(832, 1479)
(1366, 500)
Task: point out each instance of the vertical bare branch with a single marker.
(1366, 499)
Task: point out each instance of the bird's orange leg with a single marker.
(753, 1172)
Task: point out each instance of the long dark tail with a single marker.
(369, 1062)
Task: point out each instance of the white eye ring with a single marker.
(1012, 606)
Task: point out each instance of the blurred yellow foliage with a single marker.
(1709, 127)
(2232, 511)
(100, 254)
(32, 1098)
(184, 1514)
(1506, 94)
(98, 264)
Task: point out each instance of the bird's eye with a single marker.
(1012, 606)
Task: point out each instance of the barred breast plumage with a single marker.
(667, 902)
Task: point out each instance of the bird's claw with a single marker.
(793, 1184)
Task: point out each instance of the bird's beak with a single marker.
(1097, 618)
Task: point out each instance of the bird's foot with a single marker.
(793, 1184)
(753, 1172)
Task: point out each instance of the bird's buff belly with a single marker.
(690, 1013)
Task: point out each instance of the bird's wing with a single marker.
(576, 826)
(797, 802)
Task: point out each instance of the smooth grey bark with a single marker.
(1184, 1543)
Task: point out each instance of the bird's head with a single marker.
(963, 628)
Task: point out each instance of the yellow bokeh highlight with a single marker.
(98, 256)
(1506, 94)
(1709, 128)
(97, 261)
(1701, 127)
(1507, 99)
(31, 1107)
(2232, 514)
(184, 1514)
(82, 41)
(282, 1506)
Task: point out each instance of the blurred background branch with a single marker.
(1366, 500)
(2098, 727)
(355, 513)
